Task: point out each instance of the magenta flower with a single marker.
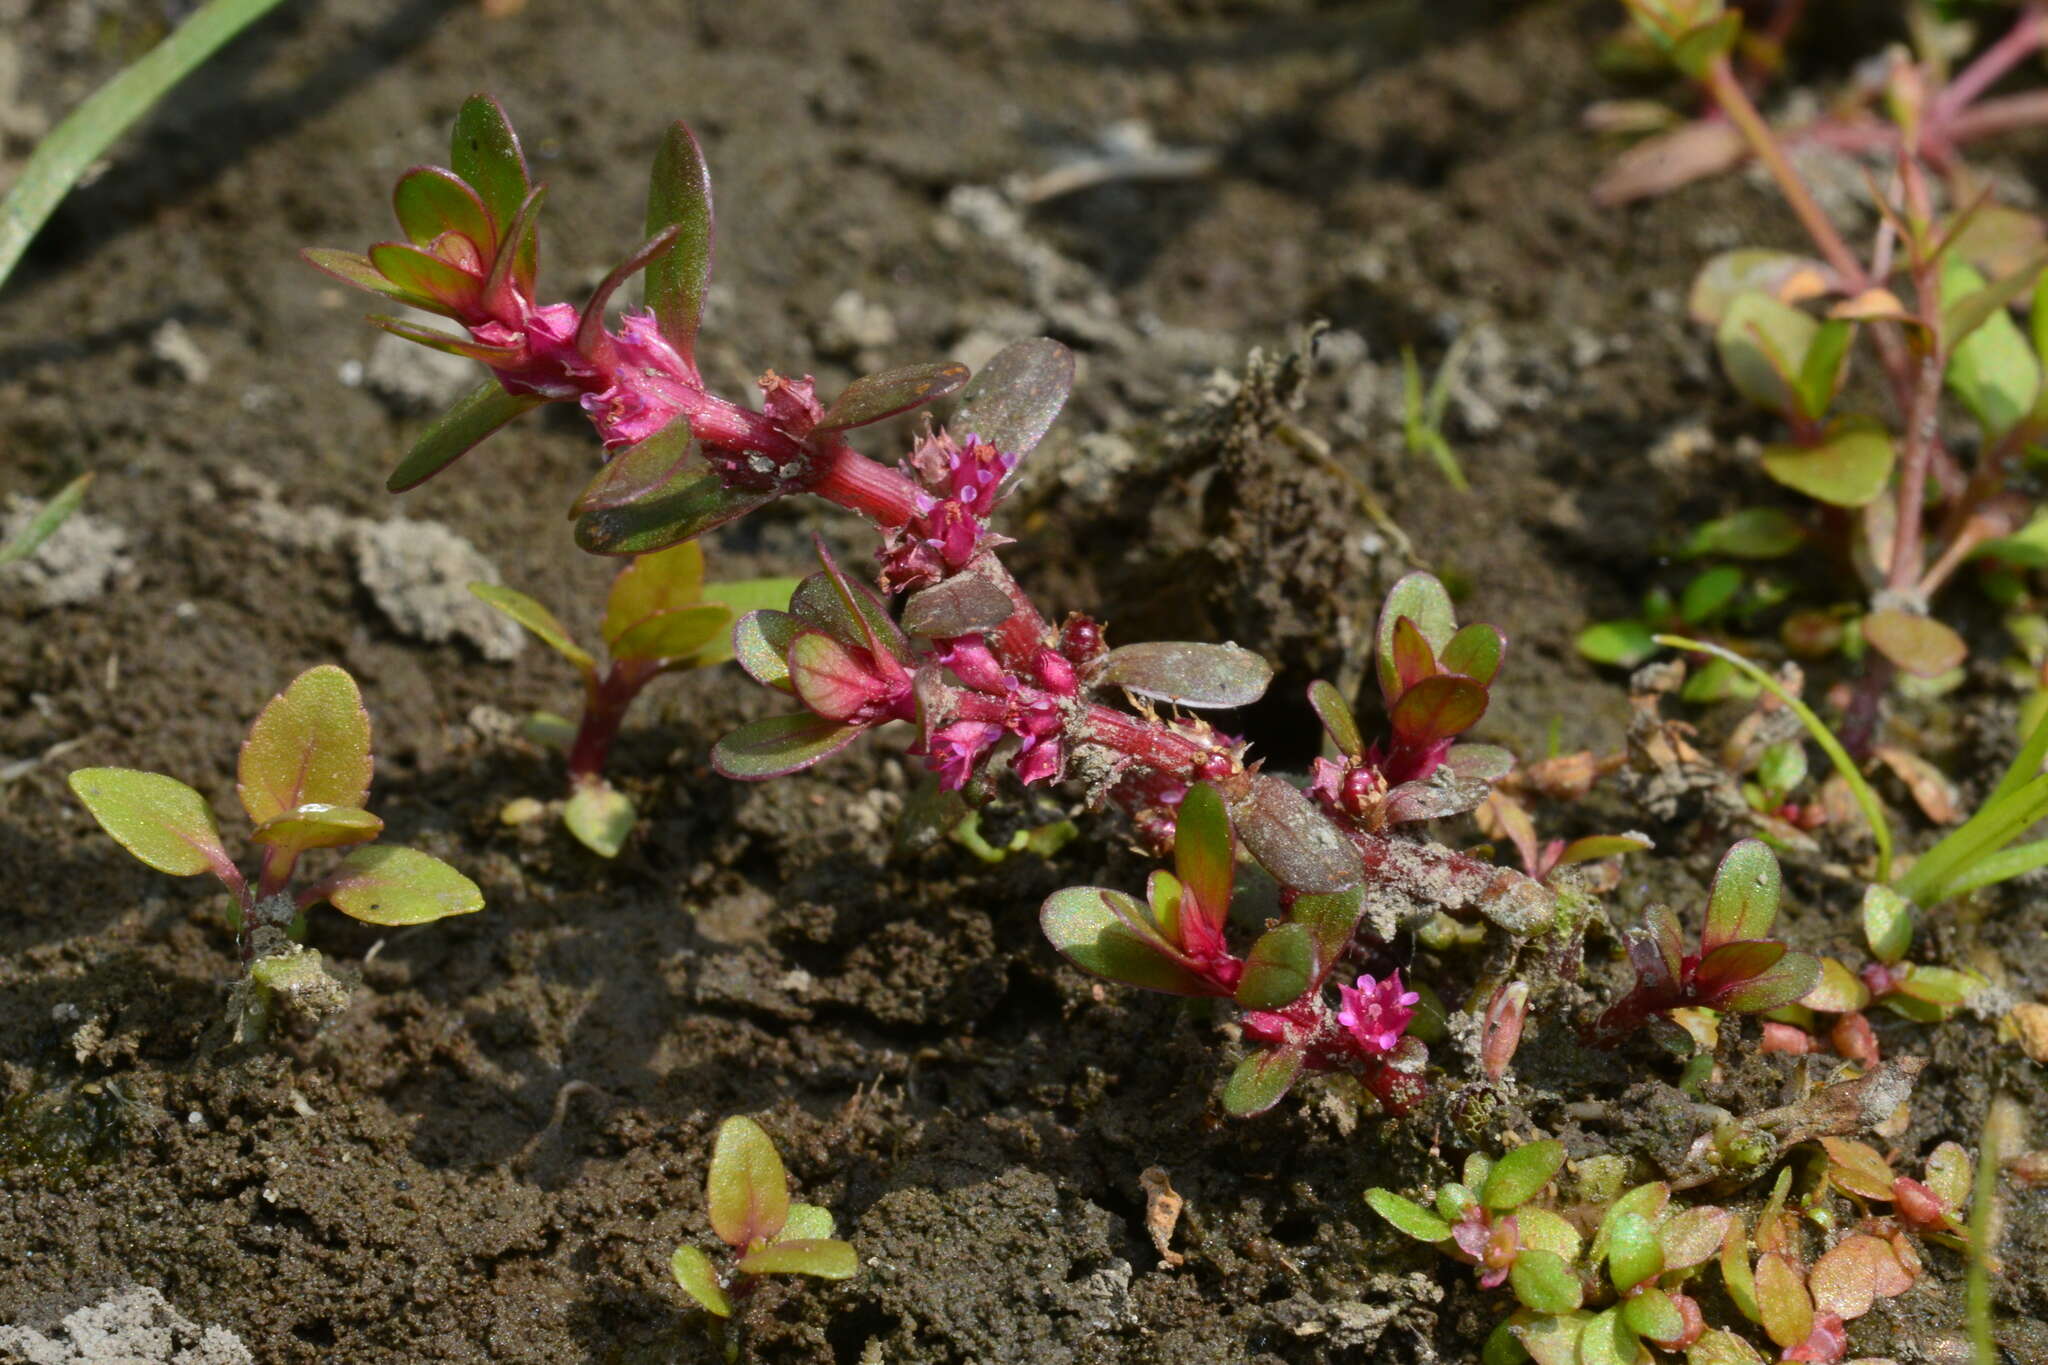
(1376, 1012)
(967, 481)
(957, 747)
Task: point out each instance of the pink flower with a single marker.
(1376, 1012)
(955, 749)
(972, 662)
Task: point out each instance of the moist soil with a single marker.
(491, 1152)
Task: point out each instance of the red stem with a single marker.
(604, 710)
(2019, 42)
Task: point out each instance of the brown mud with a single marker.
(490, 1156)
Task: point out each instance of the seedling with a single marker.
(661, 617)
(747, 1196)
(45, 522)
(304, 781)
(1422, 412)
(1738, 969)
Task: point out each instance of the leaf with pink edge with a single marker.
(1108, 934)
(316, 825)
(309, 744)
(1693, 1236)
(159, 819)
(513, 271)
(761, 641)
(448, 343)
(639, 471)
(397, 886)
(1854, 1273)
(890, 393)
(1205, 853)
(1203, 676)
(1011, 404)
(1414, 660)
(1438, 708)
(1657, 949)
(847, 610)
(825, 1258)
(484, 152)
(692, 501)
(679, 195)
(776, 746)
(832, 678)
(430, 201)
(1475, 651)
(1774, 987)
(1338, 722)
(354, 268)
(1332, 918)
(1261, 1081)
(1420, 598)
(1279, 968)
(746, 1191)
(1292, 839)
(1743, 902)
(459, 430)
(1729, 965)
(438, 286)
(591, 338)
(1859, 1168)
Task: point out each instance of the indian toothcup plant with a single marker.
(943, 639)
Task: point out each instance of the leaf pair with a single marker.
(747, 1197)
(1433, 675)
(303, 778)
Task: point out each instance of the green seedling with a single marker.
(660, 617)
(304, 781)
(47, 519)
(747, 1196)
(1712, 597)
(1422, 411)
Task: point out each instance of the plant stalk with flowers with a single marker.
(944, 639)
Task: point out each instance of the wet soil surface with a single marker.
(490, 1155)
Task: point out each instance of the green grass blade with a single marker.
(54, 513)
(81, 139)
(1866, 799)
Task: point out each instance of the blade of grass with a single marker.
(1866, 799)
(2000, 866)
(61, 158)
(55, 513)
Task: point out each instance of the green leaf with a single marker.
(430, 201)
(1887, 924)
(430, 283)
(1821, 373)
(742, 597)
(1420, 598)
(1338, 722)
(1633, 1252)
(315, 825)
(1293, 840)
(1743, 903)
(679, 194)
(600, 816)
(874, 397)
(1753, 533)
(459, 430)
(1694, 52)
(1107, 934)
(1837, 990)
(310, 745)
(1651, 1313)
(822, 1257)
(746, 1192)
(1709, 594)
(776, 746)
(1645, 1201)
(1279, 968)
(1607, 1340)
(1203, 676)
(1331, 917)
(1552, 1339)
(544, 624)
(1730, 274)
(448, 343)
(1260, 1081)
(159, 819)
(673, 634)
(1503, 1347)
(1919, 644)
(848, 611)
(1716, 1347)
(1762, 344)
(694, 1272)
(1596, 846)
(44, 524)
(484, 151)
(692, 501)
(807, 1223)
(1849, 468)
(1542, 1230)
(1475, 652)
(397, 886)
(1948, 1176)
(761, 641)
(1543, 1281)
(1782, 1300)
(1521, 1174)
(1205, 854)
(639, 471)
(667, 580)
(1407, 1216)
(1735, 1271)
(1623, 644)
(1011, 404)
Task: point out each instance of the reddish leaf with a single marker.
(874, 397)
(1438, 708)
(1011, 404)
